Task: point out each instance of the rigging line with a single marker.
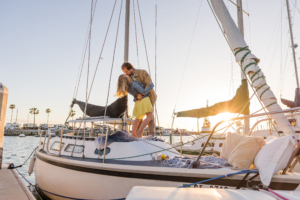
(173, 117)
(274, 53)
(286, 27)
(136, 40)
(155, 106)
(155, 45)
(281, 47)
(288, 39)
(83, 57)
(231, 82)
(87, 81)
(87, 78)
(275, 50)
(191, 42)
(81, 61)
(296, 6)
(112, 65)
(285, 65)
(281, 63)
(287, 53)
(250, 40)
(270, 41)
(140, 16)
(113, 59)
(138, 5)
(102, 49)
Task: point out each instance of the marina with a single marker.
(132, 126)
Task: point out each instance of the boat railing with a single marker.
(240, 118)
(266, 119)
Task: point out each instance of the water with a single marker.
(16, 150)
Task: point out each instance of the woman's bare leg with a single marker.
(134, 126)
(144, 124)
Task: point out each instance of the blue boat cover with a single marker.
(206, 162)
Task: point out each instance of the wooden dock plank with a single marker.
(12, 187)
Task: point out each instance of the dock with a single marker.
(12, 187)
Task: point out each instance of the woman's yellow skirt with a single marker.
(141, 108)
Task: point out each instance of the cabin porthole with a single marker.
(102, 151)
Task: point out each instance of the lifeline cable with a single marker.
(112, 65)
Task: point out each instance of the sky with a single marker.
(42, 43)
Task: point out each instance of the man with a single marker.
(142, 76)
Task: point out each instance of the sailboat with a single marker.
(72, 167)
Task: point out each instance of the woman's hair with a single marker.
(127, 65)
(122, 88)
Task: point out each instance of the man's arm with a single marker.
(143, 91)
(147, 79)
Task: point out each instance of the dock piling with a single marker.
(3, 106)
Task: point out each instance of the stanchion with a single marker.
(45, 138)
(61, 136)
(181, 141)
(40, 134)
(74, 128)
(92, 129)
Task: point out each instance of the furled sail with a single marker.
(238, 104)
(114, 110)
(295, 103)
(249, 63)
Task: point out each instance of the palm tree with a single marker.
(12, 107)
(48, 111)
(34, 111)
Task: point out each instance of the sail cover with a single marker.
(293, 104)
(114, 110)
(238, 104)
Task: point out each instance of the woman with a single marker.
(142, 106)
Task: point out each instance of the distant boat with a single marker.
(22, 135)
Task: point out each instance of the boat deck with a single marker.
(11, 186)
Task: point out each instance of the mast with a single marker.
(241, 29)
(292, 41)
(126, 50)
(127, 20)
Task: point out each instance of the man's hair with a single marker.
(127, 65)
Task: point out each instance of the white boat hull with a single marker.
(82, 185)
(62, 178)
